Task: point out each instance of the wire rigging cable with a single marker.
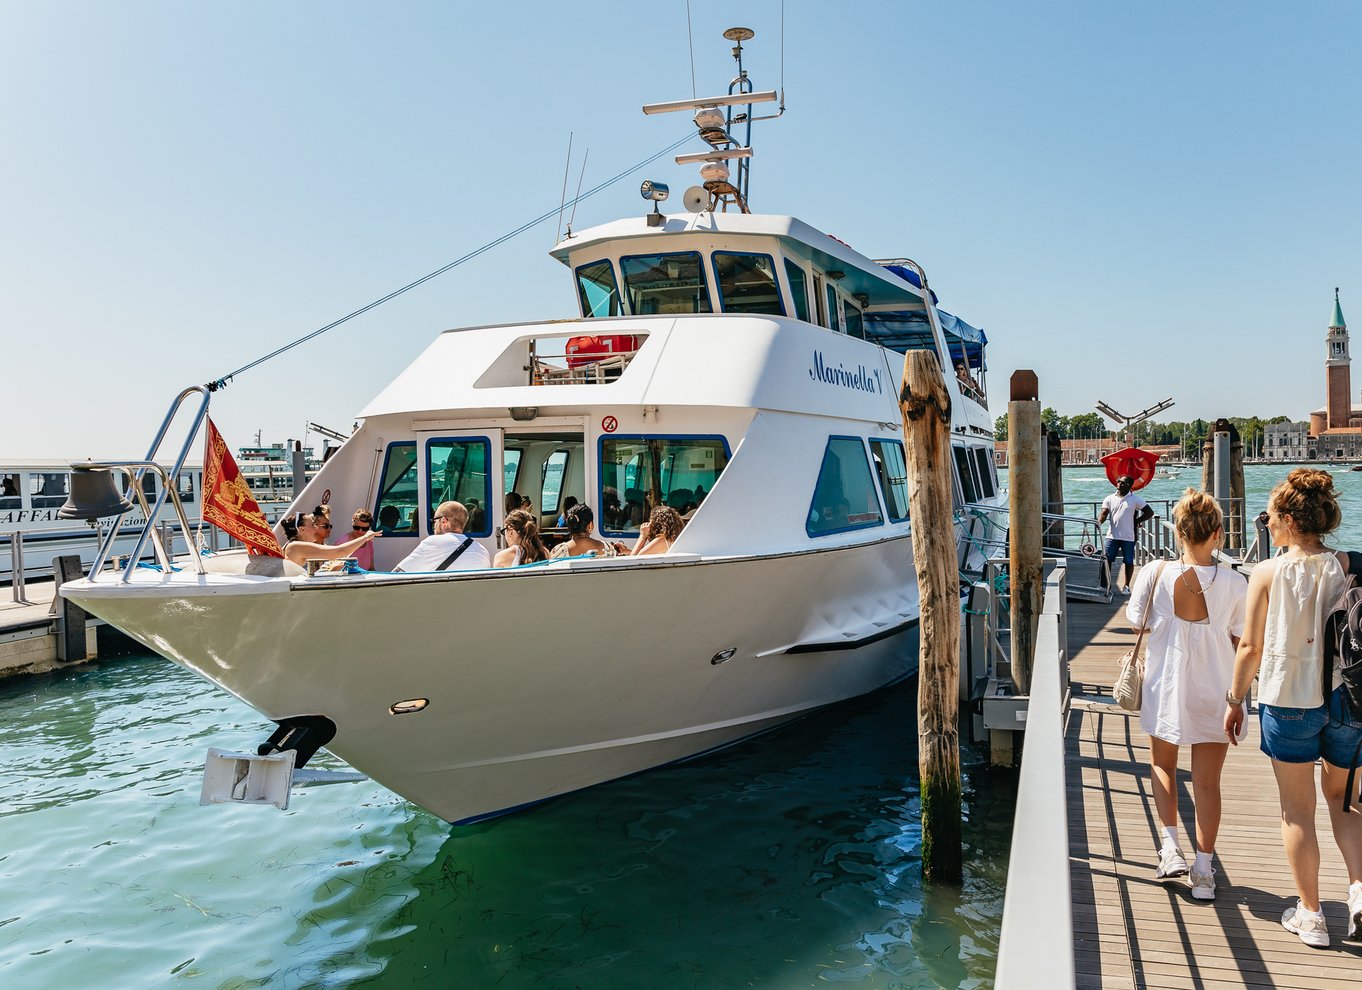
(219, 383)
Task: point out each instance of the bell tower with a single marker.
(1338, 382)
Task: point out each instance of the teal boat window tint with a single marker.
(510, 468)
(965, 469)
(852, 315)
(552, 486)
(892, 468)
(833, 322)
(640, 472)
(597, 290)
(747, 283)
(844, 496)
(398, 495)
(456, 471)
(799, 289)
(665, 283)
(987, 486)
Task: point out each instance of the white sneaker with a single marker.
(1203, 885)
(1307, 926)
(1126, 592)
(1171, 863)
(1355, 911)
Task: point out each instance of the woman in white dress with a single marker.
(1195, 619)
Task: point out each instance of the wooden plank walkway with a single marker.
(1132, 931)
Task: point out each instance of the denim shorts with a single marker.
(1303, 735)
(1127, 548)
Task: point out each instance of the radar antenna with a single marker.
(715, 118)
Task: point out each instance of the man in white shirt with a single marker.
(447, 549)
(1127, 510)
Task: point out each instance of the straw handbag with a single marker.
(1129, 684)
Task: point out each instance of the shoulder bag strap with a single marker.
(467, 542)
(1148, 601)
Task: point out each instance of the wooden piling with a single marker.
(1024, 533)
(1054, 489)
(926, 409)
(1235, 519)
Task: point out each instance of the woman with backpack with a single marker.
(1194, 611)
(1290, 598)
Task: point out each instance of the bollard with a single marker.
(926, 409)
(1024, 534)
(70, 616)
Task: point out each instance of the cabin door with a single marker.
(460, 466)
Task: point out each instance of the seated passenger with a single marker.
(477, 518)
(390, 519)
(522, 539)
(580, 542)
(511, 503)
(447, 548)
(305, 535)
(569, 504)
(360, 523)
(656, 535)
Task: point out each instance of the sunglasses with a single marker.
(322, 526)
(361, 529)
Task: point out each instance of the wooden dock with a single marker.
(1132, 931)
(29, 632)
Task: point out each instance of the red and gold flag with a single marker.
(227, 500)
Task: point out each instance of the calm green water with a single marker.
(1091, 484)
(791, 861)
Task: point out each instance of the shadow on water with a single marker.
(790, 861)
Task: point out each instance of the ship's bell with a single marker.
(94, 494)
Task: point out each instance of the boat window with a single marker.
(988, 486)
(833, 322)
(551, 488)
(597, 291)
(9, 491)
(149, 485)
(852, 315)
(665, 283)
(747, 283)
(892, 468)
(48, 489)
(819, 300)
(640, 472)
(844, 497)
(456, 471)
(799, 289)
(398, 494)
(964, 468)
(186, 489)
(510, 468)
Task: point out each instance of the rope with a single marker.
(219, 383)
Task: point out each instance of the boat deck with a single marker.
(1131, 930)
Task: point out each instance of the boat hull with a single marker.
(539, 681)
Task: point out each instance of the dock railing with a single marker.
(1036, 944)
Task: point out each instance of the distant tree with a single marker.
(1000, 427)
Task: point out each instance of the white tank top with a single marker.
(1304, 589)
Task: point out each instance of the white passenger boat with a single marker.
(742, 368)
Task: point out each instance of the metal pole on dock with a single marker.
(1024, 534)
(1222, 474)
(926, 409)
(1054, 489)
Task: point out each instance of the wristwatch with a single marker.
(1232, 700)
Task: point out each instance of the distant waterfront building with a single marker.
(1288, 442)
(1337, 428)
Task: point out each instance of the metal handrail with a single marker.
(140, 468)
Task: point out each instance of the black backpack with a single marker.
(1343, 649)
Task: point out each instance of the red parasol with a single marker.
(1137, 463)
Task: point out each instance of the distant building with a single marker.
(1288, 442)
(1337, 428)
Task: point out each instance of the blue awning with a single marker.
(909, 330)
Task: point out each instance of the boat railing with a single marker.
(1075, 538)
(135, 470)
(1035, 944)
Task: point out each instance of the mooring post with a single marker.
(1222, 474)
(1054, 489)
(926, 409)
(1024, 534)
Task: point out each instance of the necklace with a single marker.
(1196, 587)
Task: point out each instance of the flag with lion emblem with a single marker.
(227, 500)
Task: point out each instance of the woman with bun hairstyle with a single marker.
(580, 542)
(306, 533)
(1302, 719)
(1195, 617)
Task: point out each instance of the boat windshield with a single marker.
(665, 283)
(597, 290)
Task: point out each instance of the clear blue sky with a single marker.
(1134, 200)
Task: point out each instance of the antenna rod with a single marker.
(562, 202)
